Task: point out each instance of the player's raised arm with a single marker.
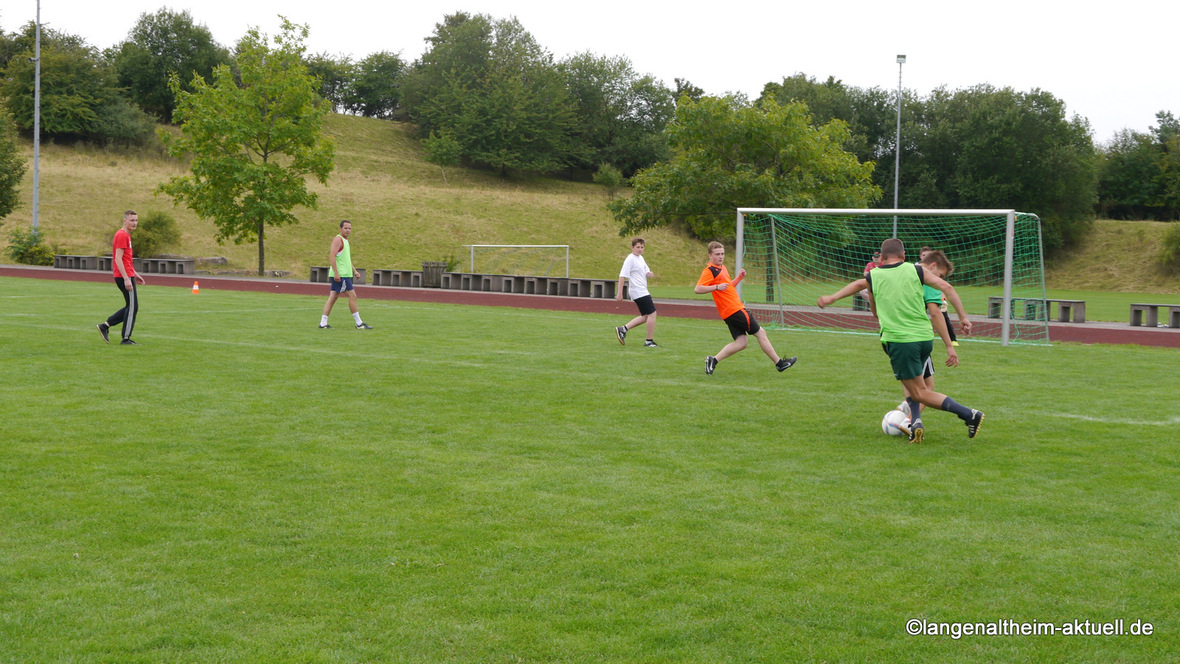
(854, 287)
(952, 296)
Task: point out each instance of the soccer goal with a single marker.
(533, 260)
(792, 256)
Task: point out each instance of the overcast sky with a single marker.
(1113, 64)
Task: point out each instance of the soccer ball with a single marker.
(893, 421)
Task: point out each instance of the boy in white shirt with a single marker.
(636, 272)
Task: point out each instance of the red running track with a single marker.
(1087, 333)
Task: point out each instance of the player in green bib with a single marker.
(340, 275)
(897, 298)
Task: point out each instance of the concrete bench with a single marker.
(71, 262)
(319, 275)
(164, 265)
(396, 278)
(1148, 314)
(1036, 308)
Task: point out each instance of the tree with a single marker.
(442, 149)
(12, 166)
(253, 143)
(160, 45)
(336, 75)
(495, 90)
(685, 88)
(728, 155)
(985, 147)
(1139, 173)
(621, 116)
(376, 86)
(80, 98)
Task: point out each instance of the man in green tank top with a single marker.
(340, 275)
(897, 299)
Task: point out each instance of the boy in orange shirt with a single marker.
(715, 279)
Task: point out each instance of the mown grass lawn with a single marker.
(472, 484)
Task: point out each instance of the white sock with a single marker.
(323, 320)
(357, 317)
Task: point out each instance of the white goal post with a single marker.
(519, 249)
(796, 251)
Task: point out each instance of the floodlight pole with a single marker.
(37, 122)
(897, 146)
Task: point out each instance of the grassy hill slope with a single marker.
(1116, 256)
(403, 210)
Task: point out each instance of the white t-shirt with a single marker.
(635, 269)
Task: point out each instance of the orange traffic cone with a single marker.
(196, 288)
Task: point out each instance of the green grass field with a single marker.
(473, 484)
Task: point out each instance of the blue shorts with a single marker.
(341, 286)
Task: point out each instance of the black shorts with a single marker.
(646, 306)
(742, 323)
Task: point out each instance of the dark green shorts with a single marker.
(908, 357)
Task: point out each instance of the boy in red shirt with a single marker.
(125, 278)
(715, 279)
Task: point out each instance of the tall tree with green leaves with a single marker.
(621, 115)
(491, 86)
(158, 46)
(727, 155)
(336, 75)
(375, 91)
(253, 140)
(80, 97)
(12, 165)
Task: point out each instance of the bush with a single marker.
(157, 232)
(28, 247)
(611, 178)
(1169, 255)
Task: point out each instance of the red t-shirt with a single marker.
(122, 241)
(727, 301)
(870, 266)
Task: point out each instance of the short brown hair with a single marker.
(892, 247)
(345, 222)
(714, 245)
(638, 240)
(129, 213)
(939, 259)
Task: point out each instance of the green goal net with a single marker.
(792, 257)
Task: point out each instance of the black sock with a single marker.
(959, 409)
(915, 409)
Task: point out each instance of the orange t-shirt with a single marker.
(727, 301)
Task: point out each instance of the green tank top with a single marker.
(901, 304)
(343, 265)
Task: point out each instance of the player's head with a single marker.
(716, 253)
(892, 248)
(923, 251)
(345, 228)
(938, 261)
(876, 257)
(637, 245)
(130, 219)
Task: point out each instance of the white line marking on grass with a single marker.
(1170, 422)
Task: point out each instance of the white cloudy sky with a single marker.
(1112, 63)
